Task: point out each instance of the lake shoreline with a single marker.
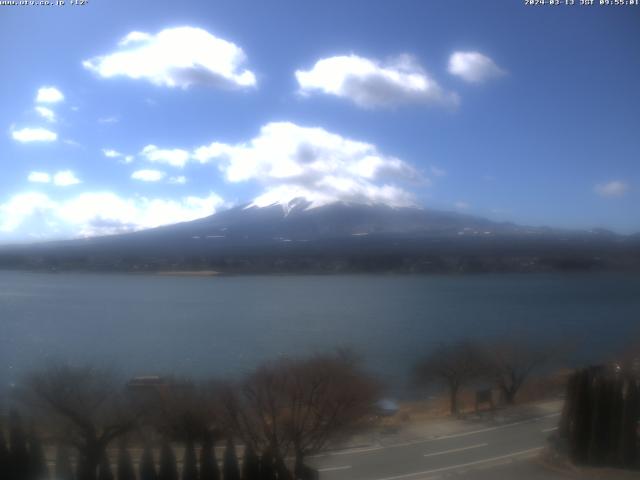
(186, 273)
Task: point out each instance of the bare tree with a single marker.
(186, 411)
(328, 397)
(628, 360)
(84, 405)
(301, 404)
(253, 409)
(512, 360)
(455, 366)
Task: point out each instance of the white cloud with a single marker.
(148, 175)
(338, 189)
(98, 213)
(460, 205)
(614, 188)
(71, 142)
(293, 161)
(133, 37)
(49, 95)
(108, 120)
(46, 113)
(176, 57)
(21, 207)
(175, 157)
(371, 84)
(65, 178)
(110, 153)
(473, 67)
(34, 135)
(179, 180)
(39, 177)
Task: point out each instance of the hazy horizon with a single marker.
(249, 204)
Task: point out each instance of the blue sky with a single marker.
(126, 115)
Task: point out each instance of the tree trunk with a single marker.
(509, 395)
(303, 472)
(298, 469)
(281, 469)
(454, 399)
(630, 417)
(89, 462)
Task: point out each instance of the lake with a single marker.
(146, 324)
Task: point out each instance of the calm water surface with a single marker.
(144, 324)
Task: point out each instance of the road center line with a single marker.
(333, 469)
(462, 465)
(348, 452)
(491, 429)
(355, 451)
(453, 450)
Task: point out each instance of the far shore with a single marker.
(187, 273)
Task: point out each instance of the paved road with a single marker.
(486, 452)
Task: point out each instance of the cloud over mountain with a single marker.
(293, 161)
(98, 213)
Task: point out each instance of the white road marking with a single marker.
(354, 451)
(333, 469)
(547, 430)
(491, 429)
(453, 450)
(463, 465)
(346, 452)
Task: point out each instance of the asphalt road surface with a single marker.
(503, 451)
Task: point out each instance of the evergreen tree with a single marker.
(190, 463)
(281, 469)
(629, 453)
(600, 423)
(104, 469)
(168, 467)
(147, 465)
(63, 470)
(4, 455)
(125, 465)
(38, 469)
(267, 469)
(230, 462)
(250, 465)
(19, 454)
(579, 434)
(208, 463)
(80, 467)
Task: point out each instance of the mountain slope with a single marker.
(335, 237)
